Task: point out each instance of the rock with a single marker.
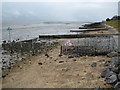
(94, 64)
(40, 63)
(70, 57)
(46, 55)
(107, 63)
(61, 61)
(112, 54)
(3, 76)
(74, 60)
(60, 55)
(109, 74)
(104, 72)
(114, 69)
(115, 62)
(97, 88)
(112, 79)
(117, 85)
(119, 77)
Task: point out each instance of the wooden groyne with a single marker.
(68, 36)
(88, 30)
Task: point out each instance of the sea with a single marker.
(26, 31)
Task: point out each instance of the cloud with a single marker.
(55, 11)
(60, 1)
(17, 13)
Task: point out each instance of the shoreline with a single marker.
(32, 64)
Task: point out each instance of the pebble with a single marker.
(61, 61)
(40, 63)
(94, 64)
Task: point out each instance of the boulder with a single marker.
(115, 69)
(112, 54)
(109, 74)
(104, 72)
(112, 79)
(115, 62)
(117, 85)
(119, 77)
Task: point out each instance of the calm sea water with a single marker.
(25, 31)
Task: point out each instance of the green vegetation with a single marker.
(114, 22)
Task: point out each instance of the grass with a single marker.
(114, 23)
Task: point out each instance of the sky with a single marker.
(72, 10)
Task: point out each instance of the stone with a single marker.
(112, 54)
(115, 62)
(70, 57)
(115, 69)
(104, 72)
(3, 76)
(40, 63)
(60, 55)
(107, 63)
(97, 88)
(46, 55)
(94, 64)
(119, 77)
(61, 61)
(112, 79)
(74, 60)
(117, 85)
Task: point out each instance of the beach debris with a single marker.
(68, 43)
(94, 64)
(40, 63)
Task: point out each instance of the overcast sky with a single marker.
(58, 11)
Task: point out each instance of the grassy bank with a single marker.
(114, 23)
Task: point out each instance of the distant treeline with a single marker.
(113, 18)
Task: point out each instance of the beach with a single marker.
(72, 73)
(53, 69)
(26, 31)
